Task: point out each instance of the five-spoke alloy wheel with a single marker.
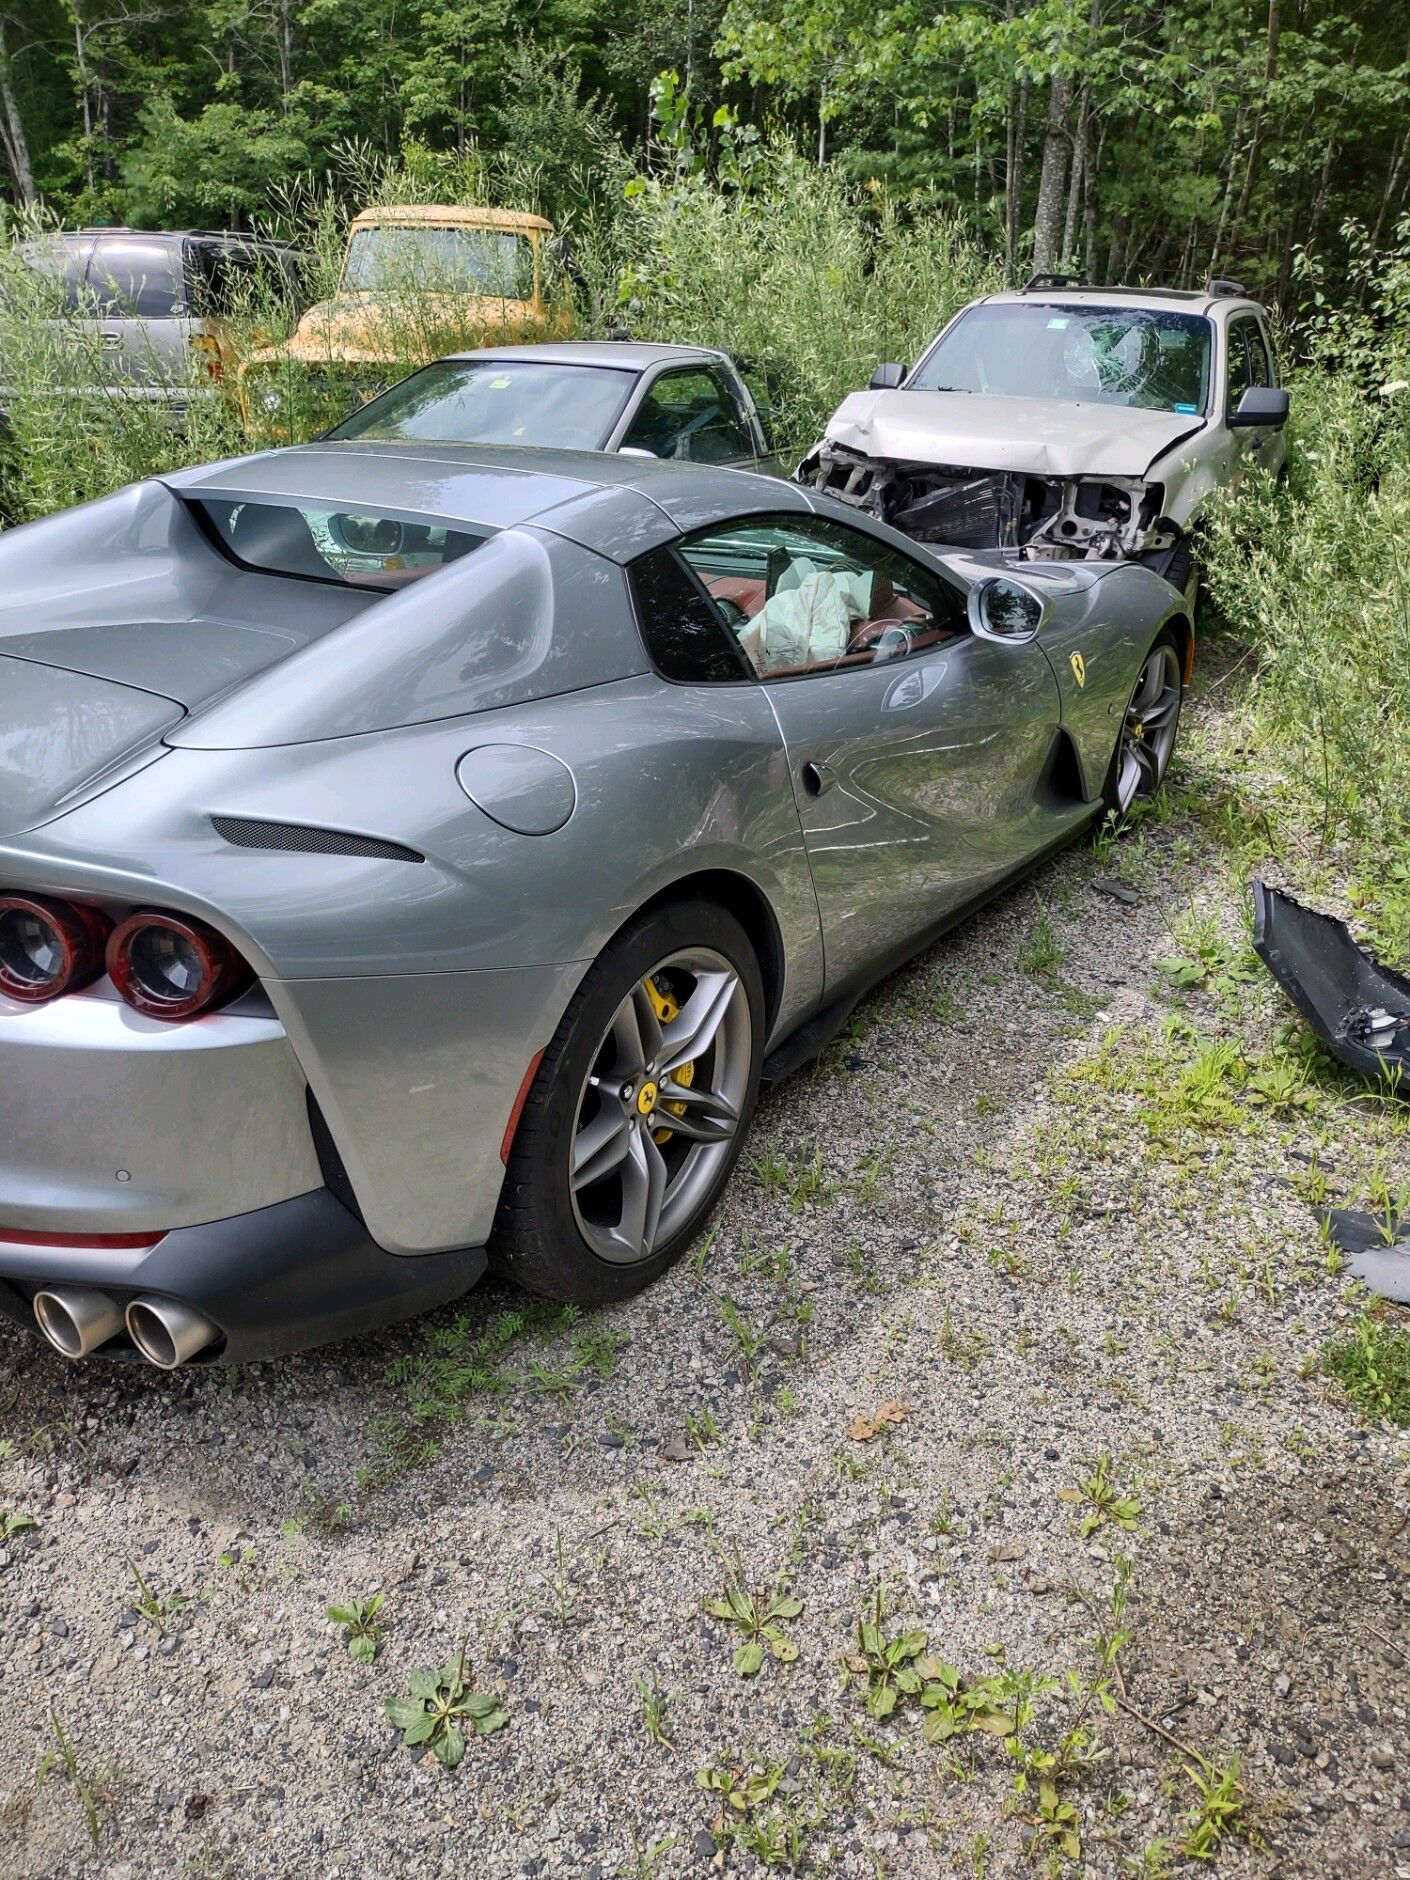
(1149, 728)
(639, 1108)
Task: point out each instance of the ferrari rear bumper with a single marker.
(277, 1280)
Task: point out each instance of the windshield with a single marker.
(441, 260)
(491, 401)
(357, 548)
(1133, 356)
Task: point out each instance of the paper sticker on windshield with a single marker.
(1057, 323)
(1187, 411)
(501, 385)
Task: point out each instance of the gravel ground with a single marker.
(1020, 1203)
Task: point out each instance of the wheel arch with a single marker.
(750, 906)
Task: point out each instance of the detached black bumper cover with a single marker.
(1357, 1007)
(276, 1281)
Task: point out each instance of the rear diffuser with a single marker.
(1357, 1007)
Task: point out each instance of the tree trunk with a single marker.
(1047, 219)
(1091, 206)
(1014, 178)
(1228, 196)
(1392, 178)
(1255, 145)
(1074, 188)
(12, 135)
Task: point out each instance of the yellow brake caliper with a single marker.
(666, 1008)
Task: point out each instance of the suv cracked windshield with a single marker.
(1150, 359)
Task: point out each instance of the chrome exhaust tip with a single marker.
(77, 1319)
(166, 1332)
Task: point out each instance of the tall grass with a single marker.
(802, 271)
(1314, 574)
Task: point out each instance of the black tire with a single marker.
(1166, 645)
(537, 1240)
(1177, 565)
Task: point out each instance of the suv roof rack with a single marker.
(1225, 290)
(1040, 283)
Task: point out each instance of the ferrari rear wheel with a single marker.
(1148, 729)
(638, 1111)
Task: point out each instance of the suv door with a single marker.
(690, 415)
(1250, 362)
(138, 287)
(915, 749)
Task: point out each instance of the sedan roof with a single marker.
(617, 506)
(625, 355)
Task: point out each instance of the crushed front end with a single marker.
(1044, 518)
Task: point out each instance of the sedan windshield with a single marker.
(1079, 354)
(491, 401)
(441, 260)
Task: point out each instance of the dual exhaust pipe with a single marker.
(78, 1319)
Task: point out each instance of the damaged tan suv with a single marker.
(1066, 422)
(419, 280)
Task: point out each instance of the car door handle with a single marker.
(816, 777)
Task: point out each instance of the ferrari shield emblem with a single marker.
(1079, 668)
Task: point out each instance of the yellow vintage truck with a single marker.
(418, 280)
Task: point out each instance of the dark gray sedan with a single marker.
(414, 856)
(687, 404)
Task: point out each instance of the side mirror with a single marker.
(1003, 609)
(886, 378)
(1260, 406)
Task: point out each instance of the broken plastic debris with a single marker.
(1359, 1008)
(1377, 1248)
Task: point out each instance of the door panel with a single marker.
(917, 785)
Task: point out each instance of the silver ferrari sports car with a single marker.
(412, 858)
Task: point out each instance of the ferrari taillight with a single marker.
(48, 947)
(171, 966)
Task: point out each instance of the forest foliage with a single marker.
(1144, 139)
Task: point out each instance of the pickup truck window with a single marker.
(1147, 358)
(441, 260)
(498, 401)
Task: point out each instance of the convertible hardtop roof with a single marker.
(623, 354)
(1171, 299)
(617, 506)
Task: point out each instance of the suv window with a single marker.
(804, 595)
(1259, 367)
(690, 417)
(65, 263)
(134, 278)
(1248, 359)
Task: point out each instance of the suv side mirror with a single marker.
(1260, 405)
(886, 378)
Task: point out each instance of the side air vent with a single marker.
(252, 832)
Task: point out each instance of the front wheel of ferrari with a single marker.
(1148, 729)
(638, 1111)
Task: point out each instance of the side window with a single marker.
(136, 279)
(804, 595)
(690, 418)
(684, 635)
(1259, 364)
(1238, 379)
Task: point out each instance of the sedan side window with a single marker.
(689, 417)
(804, 595)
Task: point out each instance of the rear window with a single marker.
(135, 279)
(317, 542)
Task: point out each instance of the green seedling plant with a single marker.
(761, 1617)
(361, 1633)
(741, 1786)
(443, 1708)
(12, 1524)
(1105, 1504)
(65, 1753)
(654, 1705)
(1220, 1812)
(892, 1667)
(1373, 1368)
(156, 1608)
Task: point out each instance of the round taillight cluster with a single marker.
(171, 966)
(166, 965)
(48, 947)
